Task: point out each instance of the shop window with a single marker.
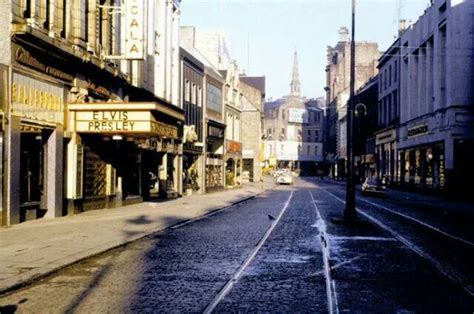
(111, 183)
(193, 94)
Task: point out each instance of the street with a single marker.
(279, 252)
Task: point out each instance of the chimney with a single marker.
(343, 34)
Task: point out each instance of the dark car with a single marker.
(374, 186)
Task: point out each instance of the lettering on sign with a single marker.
(134, 29)
(122, 121)
(215, 132)
(25, 58)
(418, 130)
(37, 100)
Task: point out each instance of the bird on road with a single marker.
(271, 217)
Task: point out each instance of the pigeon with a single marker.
(271, 217)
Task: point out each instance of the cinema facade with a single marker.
(77, 136)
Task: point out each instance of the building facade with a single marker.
(82, 132)
(388, 113)
(253, 90)
(192, 92)
(435, 137)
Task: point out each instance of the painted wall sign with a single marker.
(37, 100)
(123, 121)
(417, 130)
(297, 115)
(134, 45)
(215, 132)
(234, 147)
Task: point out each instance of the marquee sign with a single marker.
(134, 44)
(123, 121)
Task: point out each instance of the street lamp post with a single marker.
(350, 213)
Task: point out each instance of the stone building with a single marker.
(337, 91)
(253, 90)
(436, 133)
(291, 140)
(388, 112)
(82, 133)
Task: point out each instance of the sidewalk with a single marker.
(36, 248)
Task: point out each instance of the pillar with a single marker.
(12, 170)
(54, 174)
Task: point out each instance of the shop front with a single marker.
(214, 170)
(122, 153)
(386, 154)
(233, 164)
(192, 161)
(422, 157)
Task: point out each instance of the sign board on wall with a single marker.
(37, 100)
(134, 44)
(297, 115)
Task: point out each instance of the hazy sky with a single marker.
(263, 34)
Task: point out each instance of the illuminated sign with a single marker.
(37, 100)
(123, 121)
(134, 45)
(296, 115)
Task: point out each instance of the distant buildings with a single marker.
(337, 92)
(293, 130)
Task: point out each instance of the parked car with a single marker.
(285, 177)
(374, 186)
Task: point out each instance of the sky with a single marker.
(263, 34)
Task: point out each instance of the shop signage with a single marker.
(134, 29)
(189, 134)
(234, 147)
(25, 58)
(215, 132)
(297, 115)
(122, 121)
(37, 100)
(385, 137)
(418, 130)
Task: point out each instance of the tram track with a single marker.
(451, 255)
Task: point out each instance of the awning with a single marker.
(140, 118)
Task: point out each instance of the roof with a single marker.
(255, 81)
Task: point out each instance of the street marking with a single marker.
(330, 285)
(440, 267)
(230, 284)
(471, 244)
(321, 272)
(360, 238)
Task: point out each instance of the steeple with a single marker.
(295, 79)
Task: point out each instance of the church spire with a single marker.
(295, 79)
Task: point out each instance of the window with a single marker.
(193, 94)
(395, 72)
(308, 150)
(214, 98)
(309, 132)
(380, 82)
(283, 114)
(316, 135)
(390, 75)
(315, 150)
(186, 90)
(199, 97)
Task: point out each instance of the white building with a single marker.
(436, 133)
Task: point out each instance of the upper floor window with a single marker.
(187, 87)
(395, 72)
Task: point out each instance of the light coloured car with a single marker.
(285, 177)
(374, 186)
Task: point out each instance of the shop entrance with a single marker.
(94, 181)
(31, 170)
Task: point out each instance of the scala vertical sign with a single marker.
(134, 29)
